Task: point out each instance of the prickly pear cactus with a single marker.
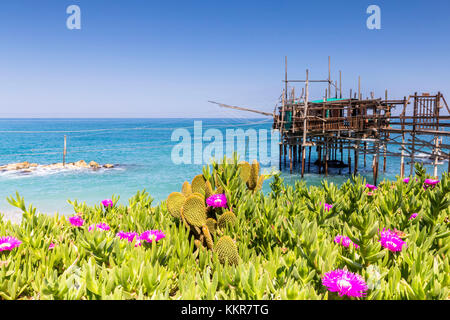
(208, 238)
(208, 190)
(254, 174)
(212, 225)
(198, 184)
(227, 218)
(175, 202)
(194, 211)
(186, 189)
(227, 250)
(245, 170)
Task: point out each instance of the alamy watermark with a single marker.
(74, 20)
(374, 20)
(200, 147)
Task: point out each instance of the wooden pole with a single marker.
(281, 152)
(329, 77)
(290, 158)
(356, 159)
(359, 87)
(385, 136)
(413, 134)
(305, 114)
(65, 150)
(436, 154)
(365, 152)
(320, 158)
(309, 159)
(375, 169)
(326, 156)
(340, 85)
(436, 115)
(402, 158)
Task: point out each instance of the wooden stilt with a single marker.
(290, 158)
(295, 154)
(320, 158)
(365, 153)
(413, 135)
(281, 150)
(309, 159)
(326, 157)
(356, 159)
(303, 161)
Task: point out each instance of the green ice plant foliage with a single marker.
(285, 241)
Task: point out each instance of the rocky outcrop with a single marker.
(26, 167)
(94, 165)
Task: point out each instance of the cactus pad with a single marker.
(211, 224)
(198, 184)
(175, 202)
(194, 211)
(245, 170)
(186, 189)
(260, 182)
(208, 190)
(208, 239)
(225, 219)
(227, 250)
(254, 174)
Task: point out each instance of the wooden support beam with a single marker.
(327, 151)
(319, 153)
(356, 159)
(309, 159)
(290, 158)
(303, 160)
(281, 152)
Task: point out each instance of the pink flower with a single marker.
(107, 203)
(76, 221)
(371, 187)
(430, 183)
(217, 201)
(327, 206)
(51, 246)
(413, 216)
(345, 283)
(345, 241)
(152, 235)
(127, 235)
(99, 226)
(391, 241)
(9, 243)
(406, 180)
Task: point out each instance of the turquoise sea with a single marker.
(141, 150)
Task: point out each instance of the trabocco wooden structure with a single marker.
(334, 124)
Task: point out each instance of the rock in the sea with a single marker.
(81, 164)
(94, 165)
(108, 166)
(22, 165)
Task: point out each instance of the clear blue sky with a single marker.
(142, 58)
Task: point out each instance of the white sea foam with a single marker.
(45, 171)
